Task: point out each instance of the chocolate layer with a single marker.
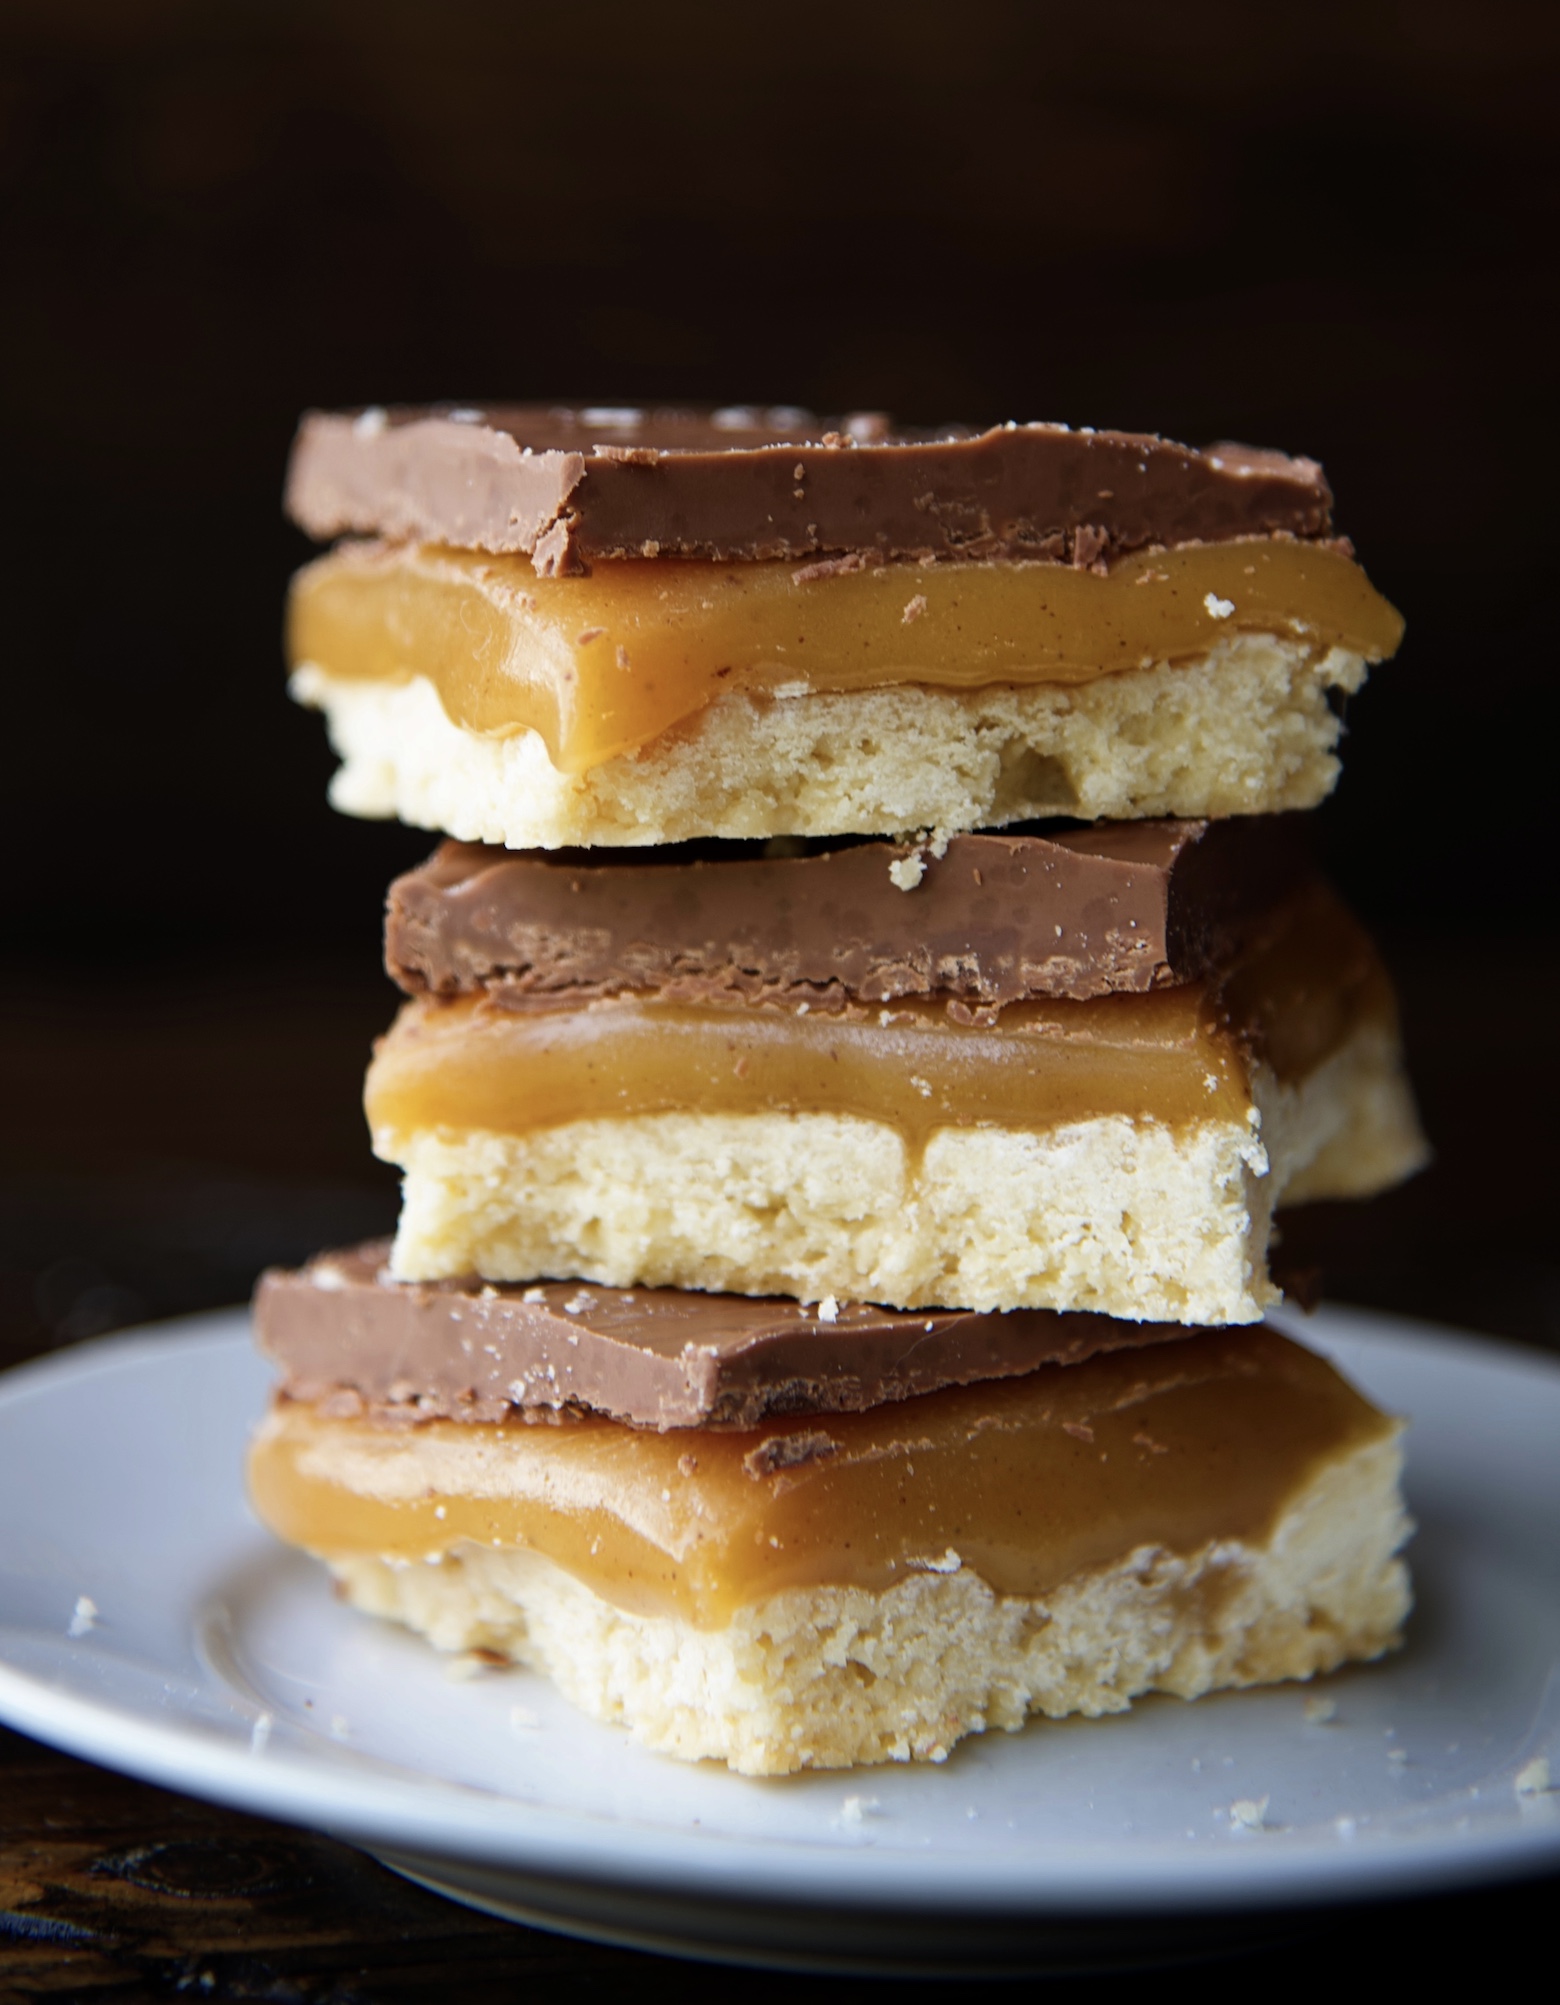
(573, 488)
(343, 1332)
(1118, 907)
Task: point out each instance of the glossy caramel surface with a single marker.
(465, 1064)
(603, 664)
(1176, 1055)
(1026, 1482)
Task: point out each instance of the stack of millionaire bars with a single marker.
(854, 1044)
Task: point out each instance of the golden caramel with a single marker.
(467, 1065)
(1027, 1482)
(604, 664)
(1175, 1055)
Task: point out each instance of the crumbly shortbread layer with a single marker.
(1245, 729)
(832, 1677)
(1128, 1217)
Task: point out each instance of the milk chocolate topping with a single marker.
(573, 488)
(342, 1332)
(1118, 907)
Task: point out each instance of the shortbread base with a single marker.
(1246, 729)
(1126, 1217)
(833, 1677)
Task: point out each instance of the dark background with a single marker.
(1327, 228)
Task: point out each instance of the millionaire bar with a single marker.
(347, 1335)
(985, 919)
(606, 639)
(1120, 1155)
(570, 488)
(828, 1589)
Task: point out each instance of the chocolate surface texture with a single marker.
(346, 1335)
(574, 488)
(1117, 907)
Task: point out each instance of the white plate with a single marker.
(221, 1664)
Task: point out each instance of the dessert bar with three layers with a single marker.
(985, 1091)
(614, 627)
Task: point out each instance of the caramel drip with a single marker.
(1175, 1055)
(1026, 1483)
(603, 664)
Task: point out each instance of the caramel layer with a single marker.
(1176, 1056)
(603, 664)
(1074, 1466)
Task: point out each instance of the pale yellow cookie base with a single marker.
(832, 1677)
(1247, 729)
(1128, 1218)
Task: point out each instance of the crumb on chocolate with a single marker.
(1089, 544)
(834, 567)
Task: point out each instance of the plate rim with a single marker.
(371, 1809)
